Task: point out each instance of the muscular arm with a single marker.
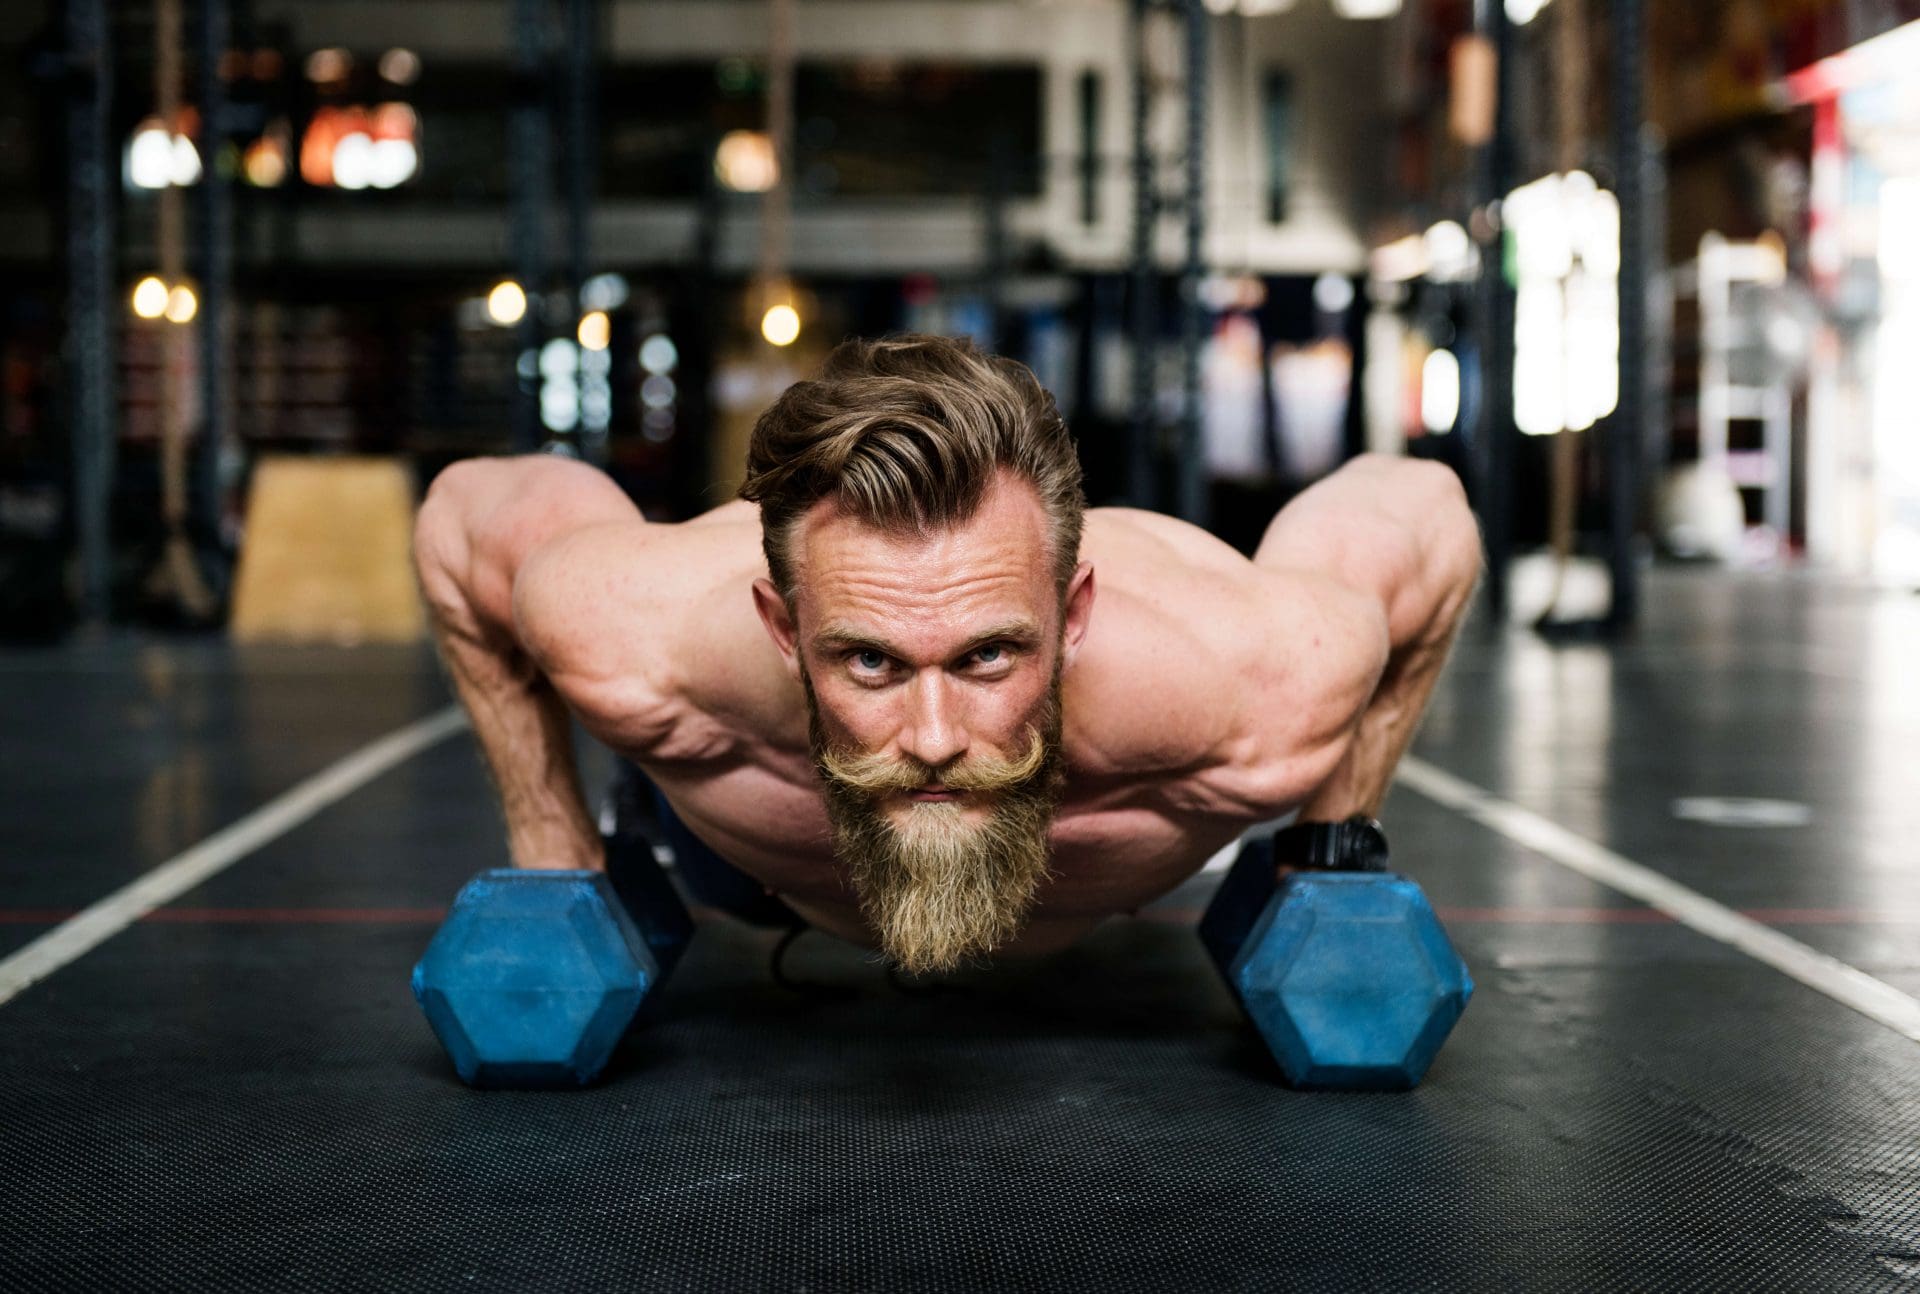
(481, 521)
(1398, 532)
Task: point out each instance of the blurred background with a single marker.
(1647, 276)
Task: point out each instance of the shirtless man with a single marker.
(911, 686)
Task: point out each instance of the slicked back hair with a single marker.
(905, 434)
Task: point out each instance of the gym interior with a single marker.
(1636, 1004)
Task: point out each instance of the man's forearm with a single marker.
(526, 735)
(1359, 783)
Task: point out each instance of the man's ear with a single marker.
(1079, 613)
(775, 615)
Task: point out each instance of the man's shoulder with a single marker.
(1133, 535)
(648, 631)
(1231, 685)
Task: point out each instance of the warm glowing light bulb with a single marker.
(353, 160)
(265, 162)
(181, 304)
(183, 161)
(400, 66)
(1440, 391)
(595, 330)
(745, 161)
(150, 155)
(506, 303)
(150, 298)
(329, 65)
(781, 325)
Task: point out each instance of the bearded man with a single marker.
(909, 688)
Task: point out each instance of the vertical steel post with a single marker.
(994, 231)
(1191, 470)
(582, 44)
(178, 571)
(1628, 425)
(581, 50)
(91, 189)
(1495, 309)
(529, 145)
(696, 325)
(1088, 104)
(776, 208)
(1142, 425)
(213, 265)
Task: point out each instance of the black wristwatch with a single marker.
(1356, 845)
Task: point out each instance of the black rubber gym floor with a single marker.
(239, 1092)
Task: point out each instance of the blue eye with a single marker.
(989, 655)
(869, 660)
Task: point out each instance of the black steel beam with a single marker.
(582, 50)
(530, 180)
(92, 186)
(1142, 423)
(1627, 428)
(582, 45)
(1495, 303)
(213, 267)
(1190, 475)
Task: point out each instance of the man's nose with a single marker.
(934, 733)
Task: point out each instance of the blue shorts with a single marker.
(708, 878)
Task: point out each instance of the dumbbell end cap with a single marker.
(1351, 981)
(534, 978)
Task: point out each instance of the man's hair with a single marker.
(905, 434)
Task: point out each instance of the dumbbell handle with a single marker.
(1265, 866)
(1356, 845)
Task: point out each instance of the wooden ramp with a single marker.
(327, 554)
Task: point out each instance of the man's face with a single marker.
(932, 670)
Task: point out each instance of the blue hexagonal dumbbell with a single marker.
(535, 975)
(1347, 974)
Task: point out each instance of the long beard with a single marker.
(938, 889)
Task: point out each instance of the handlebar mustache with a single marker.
(876, 773)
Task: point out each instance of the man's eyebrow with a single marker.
(838, 635)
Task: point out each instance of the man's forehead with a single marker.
(993, 564)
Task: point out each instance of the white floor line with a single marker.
(1845, 984)
(92, 926)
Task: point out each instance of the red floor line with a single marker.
(241, 916)
(300, 916)
(1620, 916)
(1555, 916)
